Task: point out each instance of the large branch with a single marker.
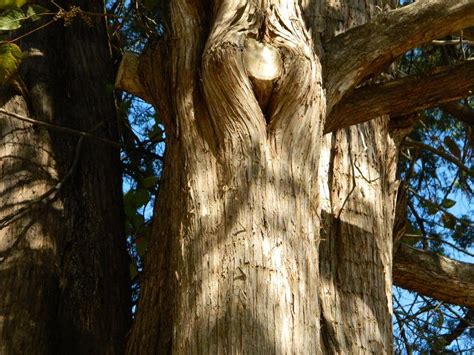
(128, 76)
(435, 276)
(403, 96)
(368, 49)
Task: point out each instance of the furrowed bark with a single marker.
(358, 189)
(434, 275)
(240, 273)
(403, 96)
(63, 263)
(370, 48)
(28, 272)
(234, 263)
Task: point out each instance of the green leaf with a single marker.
(448, 203)
(134, 199)
(34, 12)
(453, 147)
(142, 245)
(12, 3)
(142, 197)
(137, 220)
(11, 19)
(150, 181)
(10, 60)
(448, 221)
(432, 209)
(133, 271)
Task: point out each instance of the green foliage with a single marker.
(12, 3)
(10, 60)
(439, 220)
(11, 19)
(34, 12)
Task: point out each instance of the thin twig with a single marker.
(441, 241)
(32, 31)
(59, 128)
(451, 42)
(439, 208)
(4, 222)
(446, 156)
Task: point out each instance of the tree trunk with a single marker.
(63, 262)
(358, 194)
(268, 237)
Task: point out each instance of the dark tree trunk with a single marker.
(63, 262)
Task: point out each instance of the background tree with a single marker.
(63, 265)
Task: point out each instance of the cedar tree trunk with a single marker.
(270, 238)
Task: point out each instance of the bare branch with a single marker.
(451, 42)
(58, 128)
(366, 50)
(464, 323)
(434, 275)
(403, 96)
(444, 155)
(128, 76)
(462, 112)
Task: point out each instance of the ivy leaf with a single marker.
(453, 147)
(34, 12)
(150, 181)
(11, 19)
(10, 60)
(448, 203)
(135, 199)
(12, 3)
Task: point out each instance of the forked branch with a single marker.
(434, 275)
(403, 96)
(366, 50)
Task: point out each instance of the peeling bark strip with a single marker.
(434, 276)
